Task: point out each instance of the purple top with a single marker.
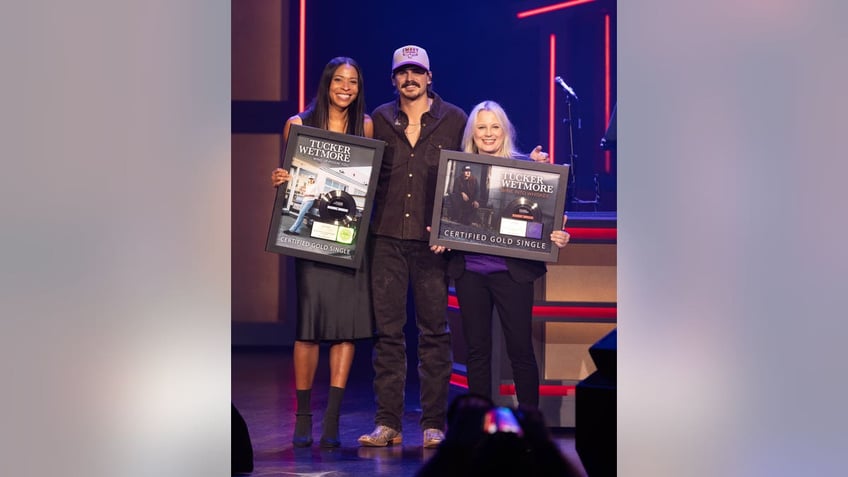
(484, 264)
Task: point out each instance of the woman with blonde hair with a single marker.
(485, 282)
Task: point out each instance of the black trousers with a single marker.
(396, 264)
(477, 295)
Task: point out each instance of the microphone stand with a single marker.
(572, 157)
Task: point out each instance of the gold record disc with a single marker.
(522, 208)
(336, 207)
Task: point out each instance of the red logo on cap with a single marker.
(410, 52)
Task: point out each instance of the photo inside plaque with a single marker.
(321, 211)
(325, 218)
(502, 207)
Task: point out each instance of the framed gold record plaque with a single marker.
(498, 206)
(324, 211)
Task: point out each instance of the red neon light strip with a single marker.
(459, 380)
(551, 100)
(301, 62)
(606, 312)
(607, 159)
(599, 312)
(544, 390)
(550, 8)
(509, 389)
(592, 233)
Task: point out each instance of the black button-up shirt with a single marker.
(403, 204)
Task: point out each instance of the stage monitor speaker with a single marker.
(603, 354)
(242, 457)
(595, 411)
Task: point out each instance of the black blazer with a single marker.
(520, 270)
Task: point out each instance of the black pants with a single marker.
(477, 294)
(466, 213)
(396, 264)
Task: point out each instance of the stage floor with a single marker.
(263, 392)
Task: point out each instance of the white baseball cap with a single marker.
(410, 55)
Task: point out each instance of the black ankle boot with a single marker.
(303, 423)
(302, 430)
(330, 431)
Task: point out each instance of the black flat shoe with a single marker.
(302, 441)
(329, 443)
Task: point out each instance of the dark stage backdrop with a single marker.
(478, 50)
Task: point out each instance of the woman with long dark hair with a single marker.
(334, 302)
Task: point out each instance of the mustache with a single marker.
(410, 83)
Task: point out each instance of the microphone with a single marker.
(558, 80)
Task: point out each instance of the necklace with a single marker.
(411, 129)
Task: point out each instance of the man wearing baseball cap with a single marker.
(416, 126)
(410, 55)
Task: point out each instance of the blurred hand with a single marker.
(278, 176)
(560, 237)
(539, 156)
(437, 249)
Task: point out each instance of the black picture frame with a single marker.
(519, 204)
(344, 169)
